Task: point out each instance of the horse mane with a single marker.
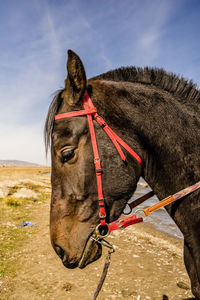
(53, 109)
(185, 91)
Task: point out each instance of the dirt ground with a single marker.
(147, 264)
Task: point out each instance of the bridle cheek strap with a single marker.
(98, 169)
(91, 112)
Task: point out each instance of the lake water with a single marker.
(159, 218)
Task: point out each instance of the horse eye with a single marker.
(67, 155)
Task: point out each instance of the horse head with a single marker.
(74, 203)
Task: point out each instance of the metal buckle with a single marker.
(103, 125)
(96, 159)
(104, 243)
(119, 223)
(101, 200)
(101, 205)
(97, 115)
(102, 217)
(127, 207)
(142, 214)
(98, 233)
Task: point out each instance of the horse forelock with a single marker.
(53, 109)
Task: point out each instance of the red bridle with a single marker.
(91, 112)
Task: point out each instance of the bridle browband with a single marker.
(91, 112)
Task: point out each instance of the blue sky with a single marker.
(106, 34)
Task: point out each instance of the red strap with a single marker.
(97, 162)
(125, 146)
(123, 223)
(76, 113)
(113, 136)
(106, 128)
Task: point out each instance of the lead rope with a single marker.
(105, 268)
(103, 275)
(172, 198)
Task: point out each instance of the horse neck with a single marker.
(163, 132)
(167, 134)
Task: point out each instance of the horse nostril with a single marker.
(59, 251)
(64, 257)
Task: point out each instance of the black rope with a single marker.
(103, 275)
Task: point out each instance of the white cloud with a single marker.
(148, 40)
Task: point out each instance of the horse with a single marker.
(158, 115)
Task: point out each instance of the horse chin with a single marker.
(91, 252)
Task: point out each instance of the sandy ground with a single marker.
(147, 264)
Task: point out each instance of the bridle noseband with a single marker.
(91, 112)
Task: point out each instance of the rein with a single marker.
(103, 229)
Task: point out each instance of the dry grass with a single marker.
(13, 210)
(23, 170)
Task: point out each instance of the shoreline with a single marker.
(160, 218)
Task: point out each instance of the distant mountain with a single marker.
(16, 163)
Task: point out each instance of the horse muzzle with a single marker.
(91, 252)
(93, 248)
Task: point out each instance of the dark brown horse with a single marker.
(158, 115)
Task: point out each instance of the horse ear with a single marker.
(75, 84)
